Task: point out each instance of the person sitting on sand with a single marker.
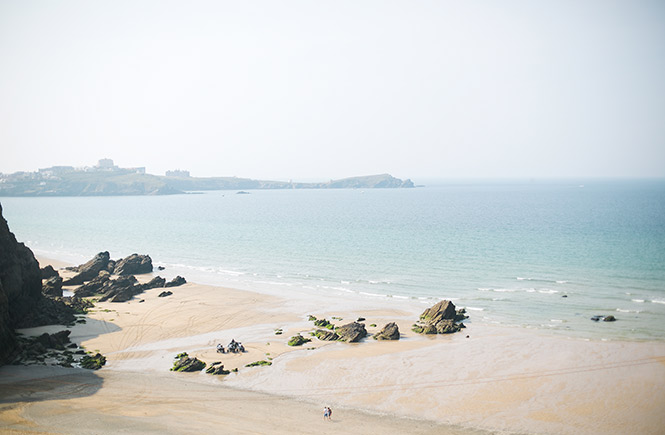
(220, 348)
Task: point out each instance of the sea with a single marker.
(541, 254)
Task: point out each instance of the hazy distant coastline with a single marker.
(106, 179)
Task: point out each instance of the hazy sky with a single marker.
(329, 89)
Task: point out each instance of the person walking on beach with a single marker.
(329, 413)
(326, 415)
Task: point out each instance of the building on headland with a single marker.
(108, 166)
(55, 171)
(178, 173)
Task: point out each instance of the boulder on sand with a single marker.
(389, 332)
(441, 318)
(176, 282)
(134, 264)
(351, 332)
(156, 282)
(184, 363)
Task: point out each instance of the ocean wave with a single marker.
(658, 301)
(548, 291)
(628, 311)
(474, 309)
(639, 301)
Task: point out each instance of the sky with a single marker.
(314, 90)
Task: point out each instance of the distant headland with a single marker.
(107, 179)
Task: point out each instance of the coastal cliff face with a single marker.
(20, 286)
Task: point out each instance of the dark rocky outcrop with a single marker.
(389, 332)
(52, 286)
(176, 282)
(20, 287)
(351, 332)
(156, 282)
(48, 272)
(121, 289)
(90, 269)
(326, 335)
(93, 286)
(441, 318)
(165, 294)
(133, 265)
(184, 363)
(54, 341)
(217, 368)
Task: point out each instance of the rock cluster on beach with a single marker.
(56, 349)
(95, 278)
(441, 318)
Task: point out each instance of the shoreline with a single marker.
(513, 380)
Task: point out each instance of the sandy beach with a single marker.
(496, 379)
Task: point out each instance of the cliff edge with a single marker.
(20, 287)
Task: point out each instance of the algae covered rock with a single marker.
(323, 323)
(326, 335)
(217, 368)
(389, 332)
(351, 332)
(94, 362)
(184, 363)
(259, 363)
(298, 340)
(441, 318)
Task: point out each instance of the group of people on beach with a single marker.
(327, 413)
(233, 347)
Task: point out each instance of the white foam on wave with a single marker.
(639, 301)
(474, 309)
(628, 311)
(658, 301)
(562, 282)
(548, 291)
(556, 320)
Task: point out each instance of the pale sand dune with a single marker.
(497, 379)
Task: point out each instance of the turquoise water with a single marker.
(507, 251)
